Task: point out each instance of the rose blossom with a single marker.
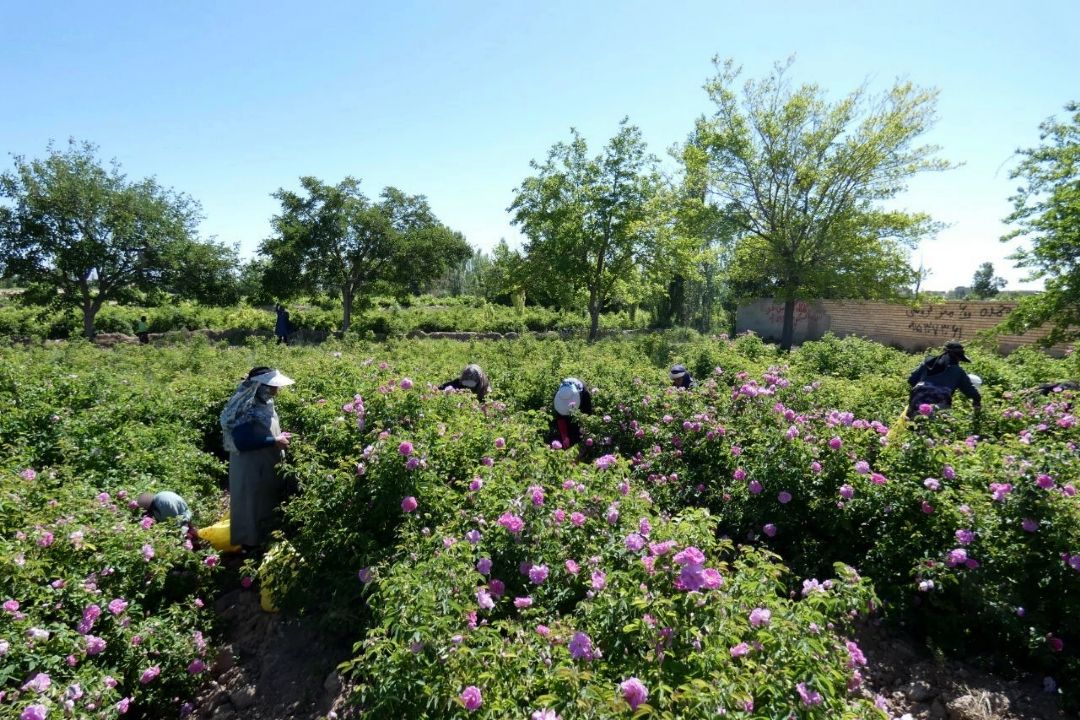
(634, 692)
(760, 616)
(471, 698)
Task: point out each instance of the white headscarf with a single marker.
(243, 405)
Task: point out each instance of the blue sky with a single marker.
(229, 101)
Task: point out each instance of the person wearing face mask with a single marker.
(472, 378)
(252, 435)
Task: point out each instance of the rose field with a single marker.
(703, 553)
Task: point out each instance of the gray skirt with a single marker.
(254, 494)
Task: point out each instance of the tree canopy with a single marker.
(1046, 212)
(334, 238)
(804, 179)
(587, 219)
(984, 284)
(81, 234)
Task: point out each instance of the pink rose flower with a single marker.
(634, 692)
(471, 698)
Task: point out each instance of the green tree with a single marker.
(586, 220)
(507, 276)
(465, 278)
(80, 234)
(803, 179)
(698, 250)
(984, 284)
(1046, 212)
(332, 238)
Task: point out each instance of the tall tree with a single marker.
(465, 278)
(507, 277)
(586, 218)
(698, 253)
(803, 179)
(81, 234)
(333, 238)
(984, 284)
(1046, 211)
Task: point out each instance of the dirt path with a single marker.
(271, 666)
(918, 687)
(276, 667)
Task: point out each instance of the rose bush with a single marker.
(681, 560)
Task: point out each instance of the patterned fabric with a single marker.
(925, 393)
(244, 406)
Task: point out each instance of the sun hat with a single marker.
(955, 348)
(568, 396)
(677, 371)
(273, 378)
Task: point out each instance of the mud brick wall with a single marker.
(904, 326)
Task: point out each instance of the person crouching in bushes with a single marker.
(938, 377)
(680, 377)
(572, 397)
(252, 435)
(472, 378)
(166, 504)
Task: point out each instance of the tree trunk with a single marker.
(594, 315)
(677, 301)
(788, 333)
(707, 300)
(346, 304)
(89, 311)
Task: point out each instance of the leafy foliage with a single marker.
(760, 461)
(81, 235)
(984, 283)
(803, 180)
(334, 238)
(587, 219)
(1046, 210)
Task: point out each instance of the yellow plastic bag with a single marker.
(219, 535)
(266, 600)
(898, 427)
(280, 570)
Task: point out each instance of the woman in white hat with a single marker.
(253, 437)
(572, 397)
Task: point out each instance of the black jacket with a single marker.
(945, 374)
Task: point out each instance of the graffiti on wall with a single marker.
(936, 329)
(961, 311)
(945, 321)
(804, 313)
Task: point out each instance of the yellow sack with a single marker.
(280, 570)
(219, 535)
(266, 600)
(898, 427)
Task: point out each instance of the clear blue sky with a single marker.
(229, 101)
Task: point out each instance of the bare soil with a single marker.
(275, 667)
